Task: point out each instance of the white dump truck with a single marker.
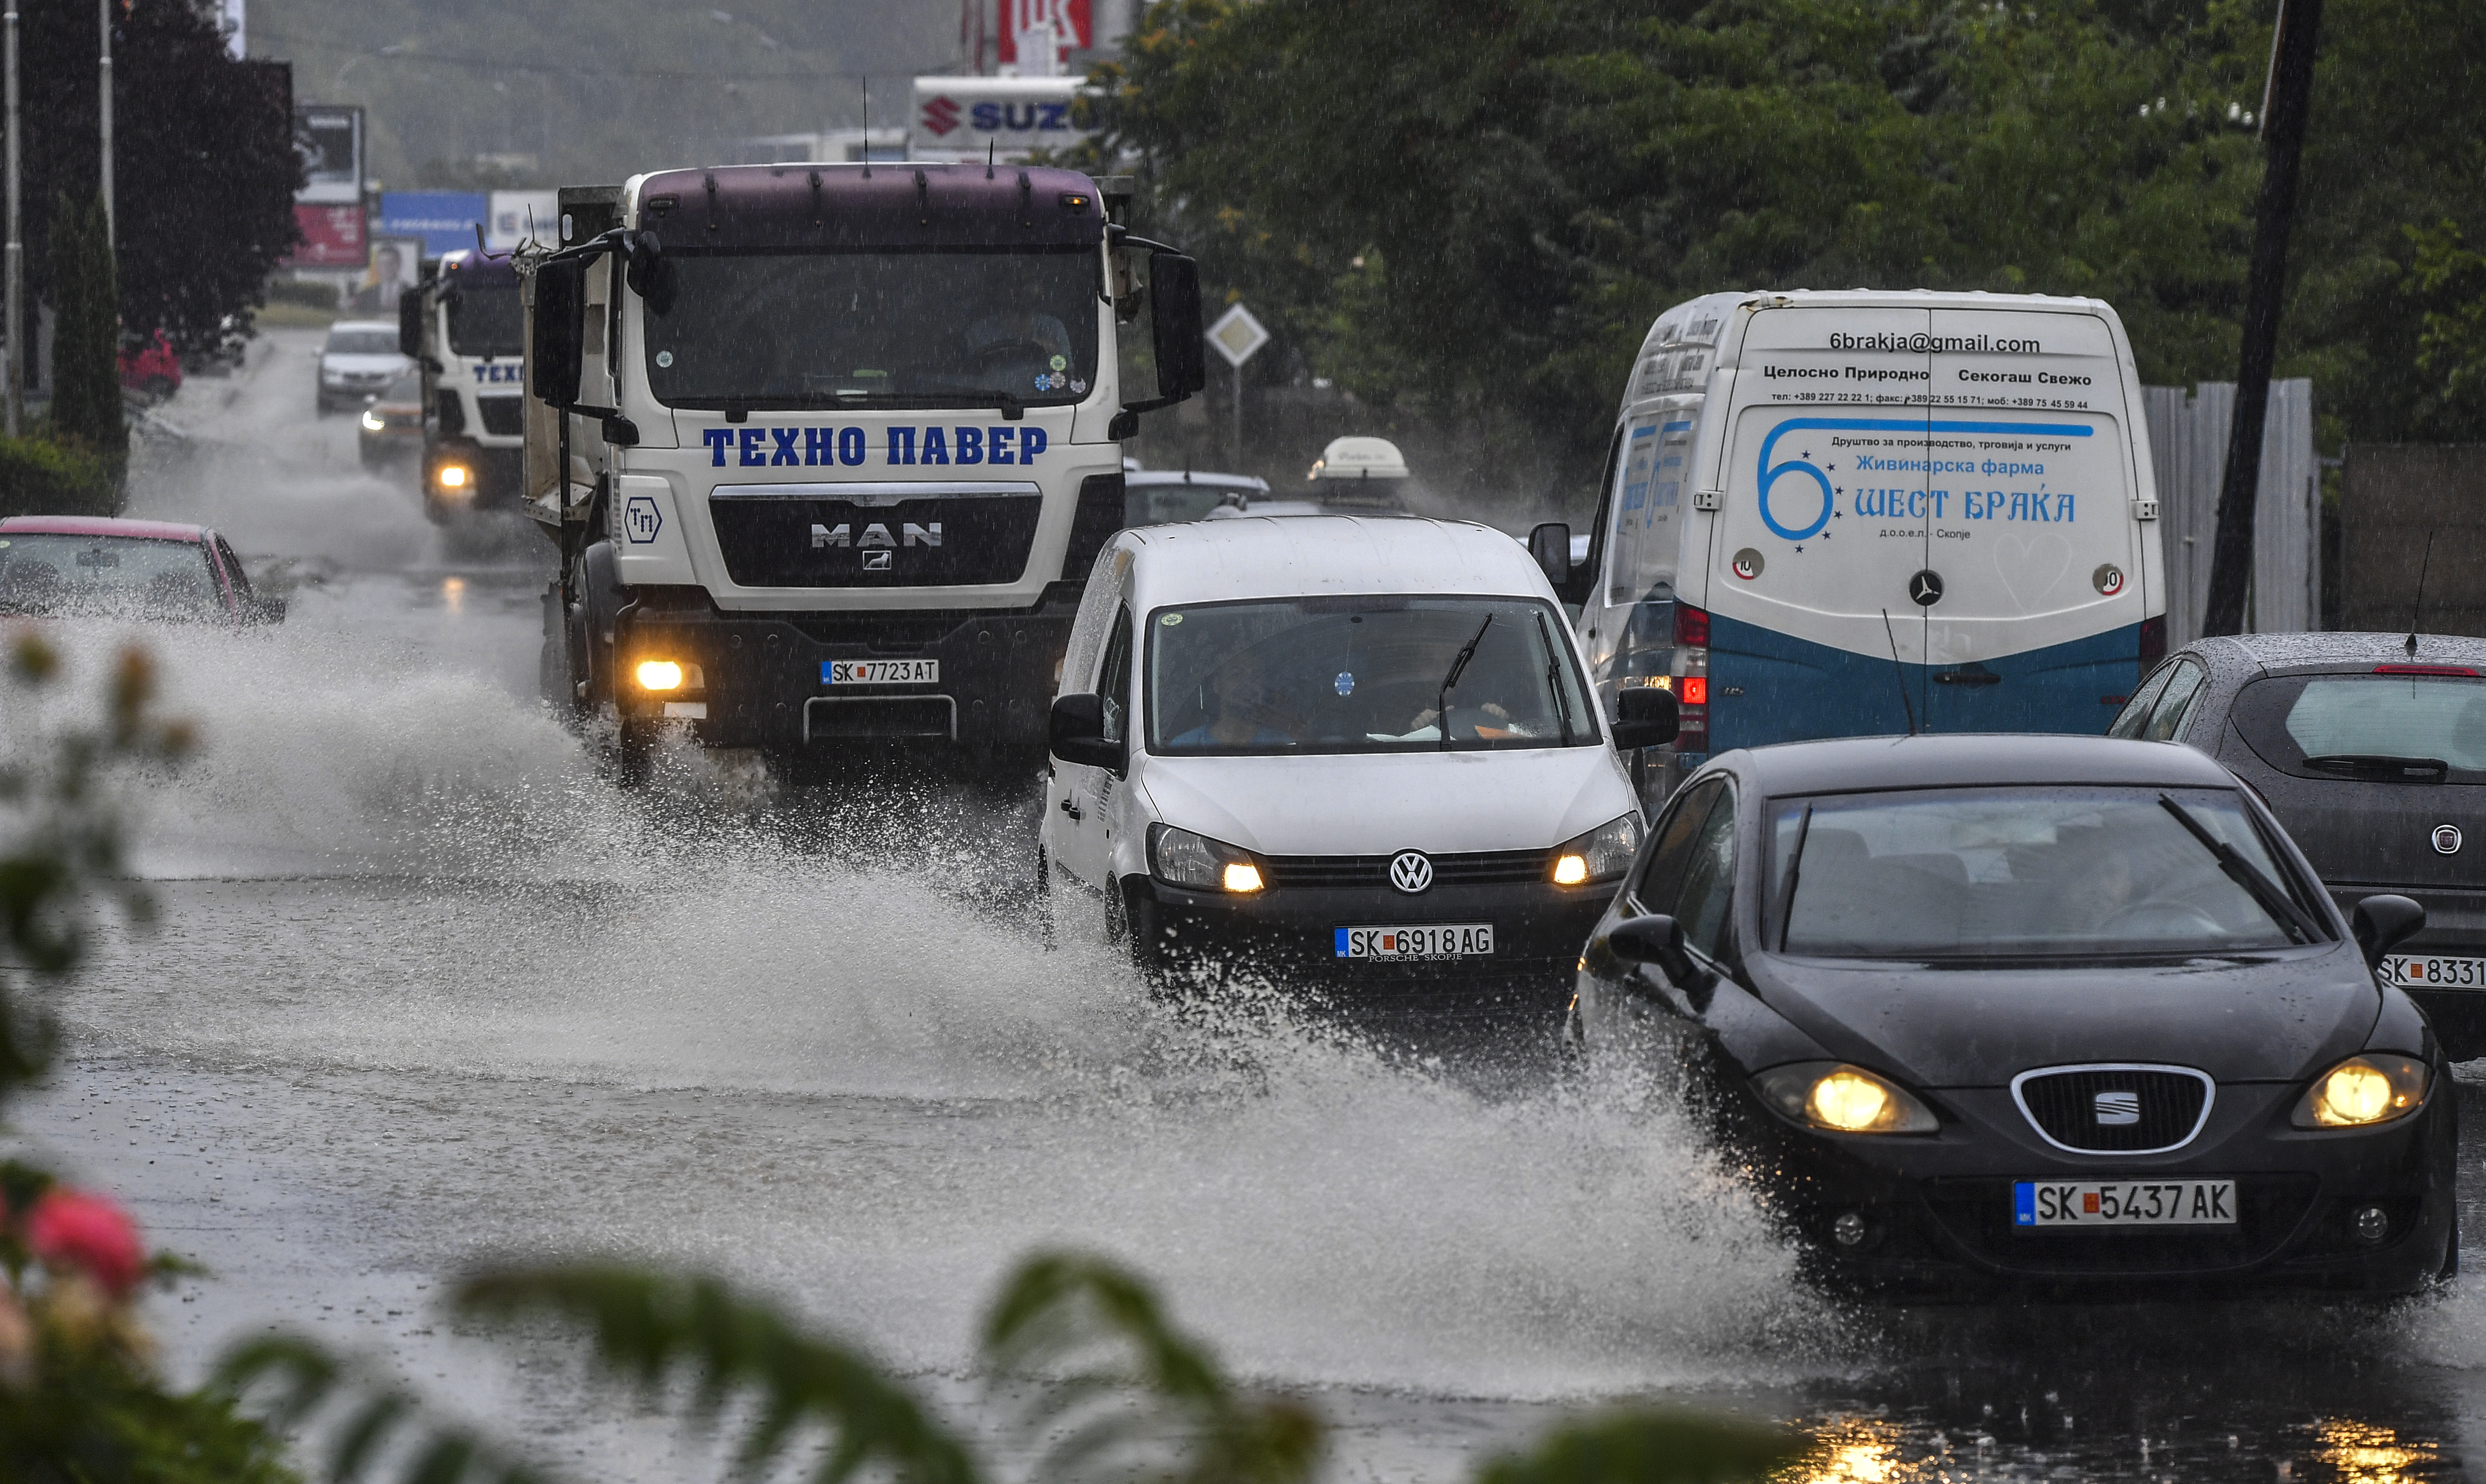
(829, 450)
(466, 331)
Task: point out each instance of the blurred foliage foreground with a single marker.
(1088, 1378)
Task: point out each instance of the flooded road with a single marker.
(428, 990)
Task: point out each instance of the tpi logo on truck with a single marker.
(941, 117)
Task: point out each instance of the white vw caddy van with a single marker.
(1359, 750)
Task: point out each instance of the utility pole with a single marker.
(104, 23)
(2287, 99)
(17, 252)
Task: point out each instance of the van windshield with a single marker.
(2024, 872)
(1362, 674)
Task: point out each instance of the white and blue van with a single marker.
(1857, 513)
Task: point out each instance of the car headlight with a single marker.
(1182, 859)
(2363, 1092)
(372, 422)
(1600, 855)
(1843, 1099)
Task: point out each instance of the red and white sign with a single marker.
(332, 237)
(1035, 33)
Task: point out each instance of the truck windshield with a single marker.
(1362, 675)
(486, 320)
(875, 329)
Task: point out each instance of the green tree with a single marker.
(86, 331)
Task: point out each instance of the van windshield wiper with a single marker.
(1554, 677)
(2274, 901)
(1442, 696)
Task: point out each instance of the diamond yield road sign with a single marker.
(1237, 336)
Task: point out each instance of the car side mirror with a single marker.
(409, 323)
(558, 330)
(1173, 318)
(2382, 923)
(261, 609)
(1549, 545)
(1075, 732)
(1645, 716)
(1656, 939)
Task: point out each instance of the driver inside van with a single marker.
(1018, 329)
(1244, 708)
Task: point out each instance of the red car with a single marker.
(84, 566)
(150, 366)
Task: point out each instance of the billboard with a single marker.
(1035, 33)
(329, 138)
(444, 220)
(955, 118)
(507, 225)
(332, 236)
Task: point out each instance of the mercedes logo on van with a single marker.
(1410, 873)
(1925, 589)
(2447, 838)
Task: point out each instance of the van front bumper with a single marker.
(1291, 937)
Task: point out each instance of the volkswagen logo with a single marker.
(2118, 1108)
(1410, 873)
(2447, 838)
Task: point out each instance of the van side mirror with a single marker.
(409, 323)
(1645, 716)
(2382, 923)
(557, 331)
(1549, 545)
(1075, 732)
(1656, 939)
(1182, 345)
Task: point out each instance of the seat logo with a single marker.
(2118, 1108)
(1410, 873)
(2447, 838)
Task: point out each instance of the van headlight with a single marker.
(2363, 1092)
(1602, 854)
(1181, 858)
(1843, 1099)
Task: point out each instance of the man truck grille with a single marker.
(904, 535)
(2115, 1109)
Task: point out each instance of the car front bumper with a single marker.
(1937, 1210)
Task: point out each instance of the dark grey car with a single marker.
(2373, 755)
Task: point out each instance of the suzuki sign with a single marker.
(958, 118)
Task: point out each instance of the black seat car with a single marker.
(2041, 1013)
(2373, 752)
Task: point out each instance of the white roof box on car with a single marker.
(1360, 459)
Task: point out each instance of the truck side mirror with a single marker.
(2382, 923)
(409, 325)
(1181, 345)
(646, 274)
(1075, 732)
(557, 331)
(1550, 544)
(1645, 716)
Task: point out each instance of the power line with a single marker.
(494, 65)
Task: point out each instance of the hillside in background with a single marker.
(480, 92)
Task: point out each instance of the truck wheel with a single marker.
(634, 754)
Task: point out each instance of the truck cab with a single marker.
(828, 448)
(465, 328)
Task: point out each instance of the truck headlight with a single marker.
(1602, 854)
(2363, 1092)
(1843, 1099)
(1182, 859)
(668, 676)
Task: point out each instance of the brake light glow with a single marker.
(1691, 625)
(1694, 690)
(2426, 670)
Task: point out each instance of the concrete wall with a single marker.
(2393, 496)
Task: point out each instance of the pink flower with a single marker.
(73, 1229)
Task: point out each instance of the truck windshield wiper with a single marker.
(2383, 768)
(2282, 911)
(1442, 696)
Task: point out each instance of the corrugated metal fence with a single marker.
(2188, 446)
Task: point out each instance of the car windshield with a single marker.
(2024, 872)
(2440, 717)
(486, 320)
(863, 329)
(1362, 675)
(88, 574)
(362, 342)
(408, 388)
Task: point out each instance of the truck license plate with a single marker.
(2427, 971)
(2123, 1203)
(1440, 940)
(880, 672)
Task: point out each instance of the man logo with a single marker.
(1410, 873)
(2446, 839)
(2116, 1110)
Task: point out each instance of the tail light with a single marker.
(1692, 627)
(1693, 691)
(2153, 641)
(2426, 670)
